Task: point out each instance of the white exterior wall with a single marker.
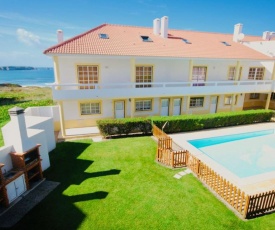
(41, 132)
(167, 70)
(265, 47)
(5, 158)
(45, 124)
(118, 70)
(39, 137)
(268, 65)
(112, 70)
(122, 70)
(44, 111)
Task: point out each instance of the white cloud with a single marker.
(38, 21)
(27, 37)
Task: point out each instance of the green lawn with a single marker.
(117, 184)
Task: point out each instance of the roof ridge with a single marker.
(74, 38)
(182, 30)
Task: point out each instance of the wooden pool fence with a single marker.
(248, 206)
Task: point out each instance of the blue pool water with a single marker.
(199, 143)
(245, 155)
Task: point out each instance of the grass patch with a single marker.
(117, 185)
(23, 97)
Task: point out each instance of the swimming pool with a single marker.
(245, 154)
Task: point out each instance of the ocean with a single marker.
(37, 77)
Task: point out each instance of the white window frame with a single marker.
(199, 75)
(228, 99)
(232, 73)
(87, 74)
(256, 73)
(90, 108)
(144, 75)
(196, 102)
(143, 105)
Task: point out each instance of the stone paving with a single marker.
(182, 173)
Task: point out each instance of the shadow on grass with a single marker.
(57, 210)
(89, 196)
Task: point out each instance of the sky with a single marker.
(28, 27)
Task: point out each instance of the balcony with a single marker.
(158, 89)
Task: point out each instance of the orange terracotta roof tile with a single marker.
(126, 41)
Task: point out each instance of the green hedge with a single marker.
(182, 123)
(197, 122)
(110, 127)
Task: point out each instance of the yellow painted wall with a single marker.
(272, 104)
(57, 126)
(254, 103)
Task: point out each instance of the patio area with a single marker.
(77, 133)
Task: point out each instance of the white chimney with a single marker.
(156, 26)
(59, 36)
(164, 27)
(19, 131)
(237, 30)
(266, 35)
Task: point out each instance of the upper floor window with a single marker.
(144, 74)
(256, 73)
(232, 73)
(143, 105)
(90, 108)
(254, 96)
(87, 74)
(199, 75)
(196, 102)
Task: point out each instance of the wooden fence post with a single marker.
(247, 202)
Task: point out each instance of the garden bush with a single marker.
(109, 127)
(197, 122)
(182, 123)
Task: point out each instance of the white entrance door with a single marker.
(119, 109)
(176, 109)
(213, 106)
(164, 107)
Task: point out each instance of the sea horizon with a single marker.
(40, 76)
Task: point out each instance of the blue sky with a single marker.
(28, 27)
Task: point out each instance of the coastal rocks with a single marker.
(16, 68)
(9, 85)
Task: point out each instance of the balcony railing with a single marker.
(157, 89)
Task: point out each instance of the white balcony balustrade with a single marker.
(158, 89)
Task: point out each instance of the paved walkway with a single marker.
(9, 217)
(182, 173)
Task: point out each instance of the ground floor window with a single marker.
(196, 102)
(272, 96)
(90, 108)
(143, 105)
(228, 100)
(254, 96)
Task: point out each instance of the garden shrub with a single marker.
(109, 127)
(182, 123)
